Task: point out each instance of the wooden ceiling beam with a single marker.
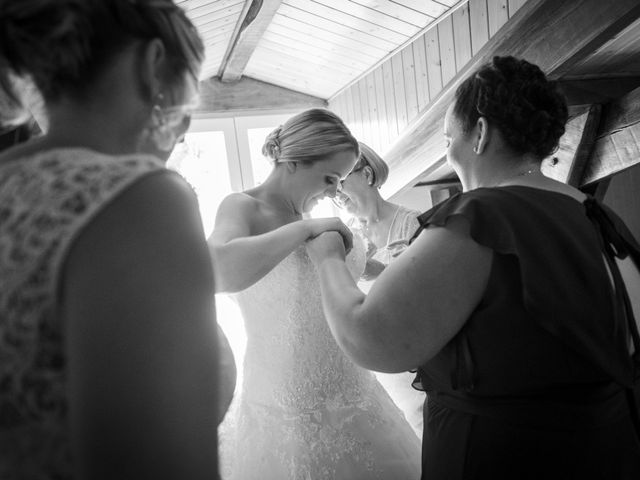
(617, 145)
(249, 94)
(587, 91)
(576, 145)
(253, 21)
(554, 34)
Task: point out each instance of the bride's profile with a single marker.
(305, 411)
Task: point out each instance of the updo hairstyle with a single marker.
(516, 97)
(380, 169)
(62, 46)
(308, 137)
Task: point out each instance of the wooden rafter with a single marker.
(617, 146)
(554, 34)
(253, 21)
(249, 94)
(569, 162)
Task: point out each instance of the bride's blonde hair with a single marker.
(308, 137)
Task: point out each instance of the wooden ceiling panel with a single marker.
(401, 12)
(358, 30)
(303, 32)
(306, 51)
(314, 46)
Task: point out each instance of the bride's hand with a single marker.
(325, 245)
(317, 226)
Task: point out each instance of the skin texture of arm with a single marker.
(242, 258)
(138, 306)
(418, 303)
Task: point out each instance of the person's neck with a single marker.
(501, 172)
(379, 217)
(91, 129)
(271, 192)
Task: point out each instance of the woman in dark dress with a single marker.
(515, 301)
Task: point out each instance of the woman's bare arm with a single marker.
(138, 306)
(241, 258)
(417, 304)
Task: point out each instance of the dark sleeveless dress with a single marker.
(539, 383)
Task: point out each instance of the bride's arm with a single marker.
(240, 258)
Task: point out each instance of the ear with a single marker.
(368, 173)
(482, 135)
(291, 167)
(151, 67)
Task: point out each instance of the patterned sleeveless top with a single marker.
(46, 200)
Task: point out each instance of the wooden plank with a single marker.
(434, 72)
(374, 117)
(358, 119)
(389, 96)
(410, 88)
(398, 11)
(381, 102)
(305, 67)
(553, 34)
(462, 36)
(567, 164)
(447, 49)
(428, 7)
(340, 55)
(422, 76)
(322, 67)
(367, 131)
(514, 6)
(348, 12)
(398, 90)
(304, 30)
(618, 140)
(348, 100)
(479, 24)
(498, 15)
(362, 28)
(250, 94)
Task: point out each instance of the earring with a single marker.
(476, 150)
(161, 135)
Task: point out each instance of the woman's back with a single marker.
(47, 199)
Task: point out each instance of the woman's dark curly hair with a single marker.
(516, 97)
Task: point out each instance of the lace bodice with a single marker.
(292, 361)
(306, 411)
(45, 202)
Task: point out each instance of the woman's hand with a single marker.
(326, 245)
(318, 226)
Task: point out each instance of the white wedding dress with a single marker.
(305, 411)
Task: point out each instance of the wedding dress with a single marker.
(306, 412)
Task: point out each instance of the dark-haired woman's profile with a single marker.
(109, 359)
(515, 301)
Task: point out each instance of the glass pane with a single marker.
(260, 165)
(202, 160)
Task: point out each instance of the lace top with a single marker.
(403, 226)
(45, 202)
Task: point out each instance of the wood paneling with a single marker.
(414, 77)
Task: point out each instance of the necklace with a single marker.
(518, 175)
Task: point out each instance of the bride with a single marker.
(305, 411)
